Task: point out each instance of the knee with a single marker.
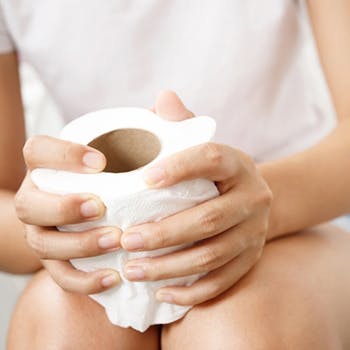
(256, 315)
(272, 318)
(41, 315)
(47, 317)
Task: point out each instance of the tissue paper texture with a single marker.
(130, 202)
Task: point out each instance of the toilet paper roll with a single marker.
(132, 139)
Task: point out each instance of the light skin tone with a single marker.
(12, 244)
(257, 203)
(230, 251)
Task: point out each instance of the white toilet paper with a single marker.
(129, 201)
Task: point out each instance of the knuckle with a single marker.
(262, 232)
(246, 161)
(177, 168)
(265, 229)
(69, 149)
(258, 254)
(25, 232)
(240, 242)
(260, 243)
(266, 196)
(62, 208)
(37, 242)
(89, 288)
(159, 237)
(256, 236)
(20, 202)
(213, 153)
(29, 147)
(85, 244)
(245, 210)
(28, 235)
(207, 259)
(263, 194)
(210, 219)
(255, 248)
(154, 271)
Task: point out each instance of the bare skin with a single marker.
(73, 321)
(288, 301)
(12, 242)
(306, 305)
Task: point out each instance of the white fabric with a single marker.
(6, 44)
(130, 202)
(242, 62)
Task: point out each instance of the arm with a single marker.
(15, 255)
(313, 186)
(307, 188)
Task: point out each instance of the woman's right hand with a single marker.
(41, 212)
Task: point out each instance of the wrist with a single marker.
(275, 229)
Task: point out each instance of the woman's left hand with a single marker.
(229, 231)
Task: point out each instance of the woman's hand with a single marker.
(229, 231)
(41, 212)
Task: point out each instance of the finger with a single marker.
(211, 285)
(48, 243)
(48, 152)
(213, 161)
(194, 224)
(46, 209)
(202, 257)
(72, 280)
(169, 106)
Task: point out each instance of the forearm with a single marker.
(310, 187)
(15, 255)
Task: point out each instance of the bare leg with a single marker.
(47, 318)
(297, 297)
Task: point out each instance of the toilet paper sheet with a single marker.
(130, 202)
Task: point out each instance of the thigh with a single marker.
(46, 317)
(296, 297)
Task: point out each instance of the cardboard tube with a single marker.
(127, 149)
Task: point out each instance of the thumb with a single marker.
(169, 106)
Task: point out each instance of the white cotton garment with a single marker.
(246, 62)
(129, 202)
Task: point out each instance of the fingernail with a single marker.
(94, 160)
(133, 241)
(90, 208)
(110, 280)
(165, 297)
(154, 175)
(108, 240)
(134, 273)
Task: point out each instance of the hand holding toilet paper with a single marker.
(132, 139)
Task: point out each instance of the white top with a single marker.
(242, 62)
